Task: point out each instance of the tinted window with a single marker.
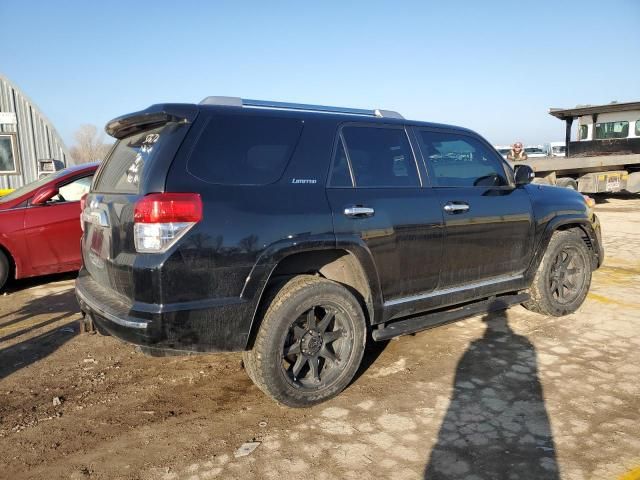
(637, 128)
(340, 175)
(461, 161)
(380, 157)
(123, 168)
(243, 150)
(612, 130)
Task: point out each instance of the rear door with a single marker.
(376, 195)
(488, 222)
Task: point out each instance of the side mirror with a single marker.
(43, 195)
(524, 174)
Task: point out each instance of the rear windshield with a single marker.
(123, 169)
(244, 150)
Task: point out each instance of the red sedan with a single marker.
(40, 224)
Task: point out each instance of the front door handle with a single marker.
(358, 211)
(456, 207)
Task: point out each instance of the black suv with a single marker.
(295, 232)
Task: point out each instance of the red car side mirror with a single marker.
(43, 195)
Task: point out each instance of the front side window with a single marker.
(8, 153)
(637, 128)
(380, 157)
(461, 161)
(73, 191)
(583, 132)
(612, 130)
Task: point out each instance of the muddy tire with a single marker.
(310, 343)
(4, 269)
(563, 278)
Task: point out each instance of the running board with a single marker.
(416, 324)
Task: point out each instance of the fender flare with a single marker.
(257, 281)
(556, 223)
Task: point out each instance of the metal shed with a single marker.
(29, 144)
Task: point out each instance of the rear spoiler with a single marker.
(154, 116)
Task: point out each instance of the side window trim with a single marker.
(348, 157)
(496, 156)
(376, 125)
(424, 173)
(337, 142)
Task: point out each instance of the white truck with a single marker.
(605, 156)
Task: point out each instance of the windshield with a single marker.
(30, 187)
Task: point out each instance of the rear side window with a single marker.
(380, 157)
(461, 161)
(244, 150)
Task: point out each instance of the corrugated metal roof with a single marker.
(36, 136)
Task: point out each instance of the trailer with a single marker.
(604, 157)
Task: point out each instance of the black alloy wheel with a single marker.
(566, 275)
(315, 346)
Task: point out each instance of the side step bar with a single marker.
(416, 324)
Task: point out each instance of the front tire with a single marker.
(563, 278)
(310, 343)
(4, 269)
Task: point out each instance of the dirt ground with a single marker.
(503, 396)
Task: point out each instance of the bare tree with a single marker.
(90, 145)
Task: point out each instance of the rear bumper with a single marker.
(217, 326)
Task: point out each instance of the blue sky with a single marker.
(495, 67)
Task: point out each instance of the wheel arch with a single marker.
(581, 225)
(341, 265)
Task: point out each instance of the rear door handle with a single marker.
(456, 207)
(358, 211)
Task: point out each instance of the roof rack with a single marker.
(244, 102)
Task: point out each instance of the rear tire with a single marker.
(5, 268)
(563, 278)
(310, 343)
(567, 183)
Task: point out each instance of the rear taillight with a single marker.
(160, 219)
(83, 203)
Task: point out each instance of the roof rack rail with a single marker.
(244, 102)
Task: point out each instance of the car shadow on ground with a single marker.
(25, 353)
(604, 198)
(36, 313)
(496, 425)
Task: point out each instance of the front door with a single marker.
(488, 222)
(52, 231)
(377, 199)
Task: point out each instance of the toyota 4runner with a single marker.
(296, 232)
